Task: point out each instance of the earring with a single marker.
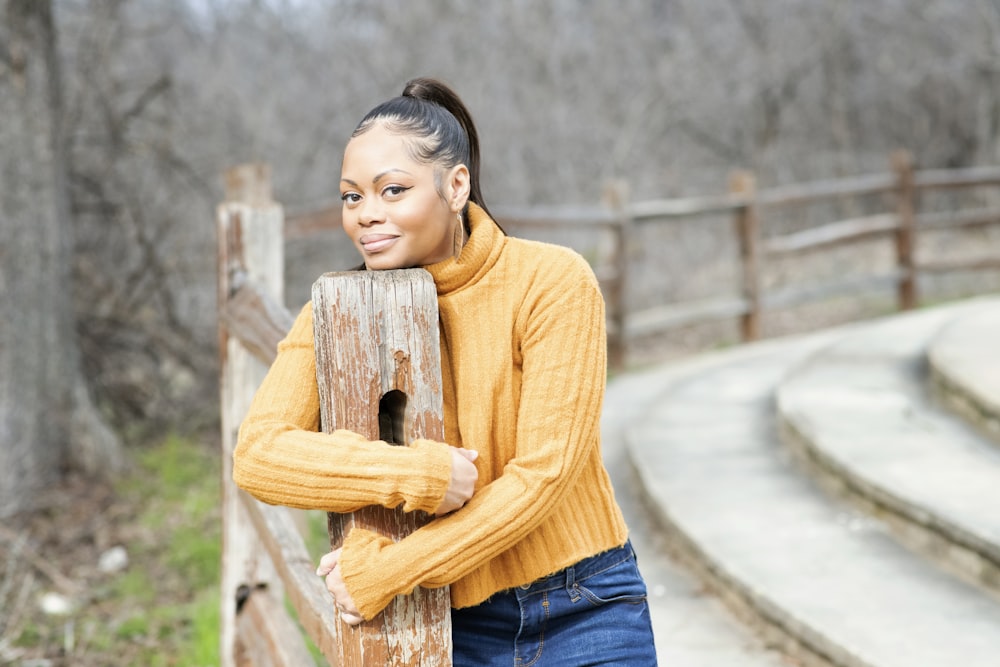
(459, 240)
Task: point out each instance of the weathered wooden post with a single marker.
(378, 367)
(902, 165)
(748, 233)
(250, 247)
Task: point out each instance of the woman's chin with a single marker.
(380, 263)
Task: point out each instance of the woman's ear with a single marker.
(457, 187)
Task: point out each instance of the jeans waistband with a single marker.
(579, 571)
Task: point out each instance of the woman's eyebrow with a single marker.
(385, 173)
(378, 176)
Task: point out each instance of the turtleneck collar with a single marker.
(478, 255)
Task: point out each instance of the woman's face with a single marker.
(394, 211)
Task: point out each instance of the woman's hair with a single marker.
(441, 128)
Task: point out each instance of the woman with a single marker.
(528, 534)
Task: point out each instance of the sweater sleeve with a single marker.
(558, 425)
(282, 459)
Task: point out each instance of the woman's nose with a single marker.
(370, 212)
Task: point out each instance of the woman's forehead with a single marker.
(379, 148)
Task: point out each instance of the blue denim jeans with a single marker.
(593, 613)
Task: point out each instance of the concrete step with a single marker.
(860, 415)
(965, 366)
(692, 629)
(825, 583)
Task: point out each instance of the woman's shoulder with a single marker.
(548, 260)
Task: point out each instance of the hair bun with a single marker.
(429, 90)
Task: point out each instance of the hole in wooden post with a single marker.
(391, 411)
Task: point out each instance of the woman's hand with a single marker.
(335, 584)
(463, 480)
(460, 489)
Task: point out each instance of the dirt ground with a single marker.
(51, 557)
(93, 579)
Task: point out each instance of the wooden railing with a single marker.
(264, 557)
(748, 211)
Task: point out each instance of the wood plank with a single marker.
(987, 263)
(670, 316)
(256, 320)
(378, 368)
(796, 296)
(268, 637)
(810, 193)
(966, 177)
(832, 234)
(685, 207)
(307, 593)
(981, 217)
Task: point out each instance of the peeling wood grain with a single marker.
(377, 341)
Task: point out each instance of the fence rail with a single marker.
(264, 556)
(747, 209)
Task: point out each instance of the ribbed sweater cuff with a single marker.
(364, 546)
(430, 496)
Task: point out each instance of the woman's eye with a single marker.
(350, 197)
(394, 190)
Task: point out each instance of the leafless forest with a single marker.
(668, 95)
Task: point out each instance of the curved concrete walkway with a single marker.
(692, 627)
(859, 413)
(965, 366)
(827, 584)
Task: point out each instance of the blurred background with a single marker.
(141, 105)
(670, 96)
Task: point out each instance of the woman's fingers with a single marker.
(338, 589)
(351, 619)
(327, 563)
(463, 480)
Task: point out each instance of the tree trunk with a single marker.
(47, 420)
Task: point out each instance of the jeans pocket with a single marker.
(620, 583)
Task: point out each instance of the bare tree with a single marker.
(162, 96)
(47, 420)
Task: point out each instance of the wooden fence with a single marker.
(263, 554)
(747, 209)
(264, 557)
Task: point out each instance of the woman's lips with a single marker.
(377, 242)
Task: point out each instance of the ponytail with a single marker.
(440, 124)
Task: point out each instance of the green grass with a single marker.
(164, 609)
(167, 603)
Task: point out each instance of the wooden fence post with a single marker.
(902, 165)
(616, 196)
(748, 233)
(378, 366)
(250, 244)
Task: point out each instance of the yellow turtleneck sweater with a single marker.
(523, 368)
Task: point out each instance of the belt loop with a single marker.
(572, 588)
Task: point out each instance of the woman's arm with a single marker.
(282, 459)
(563, 376)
